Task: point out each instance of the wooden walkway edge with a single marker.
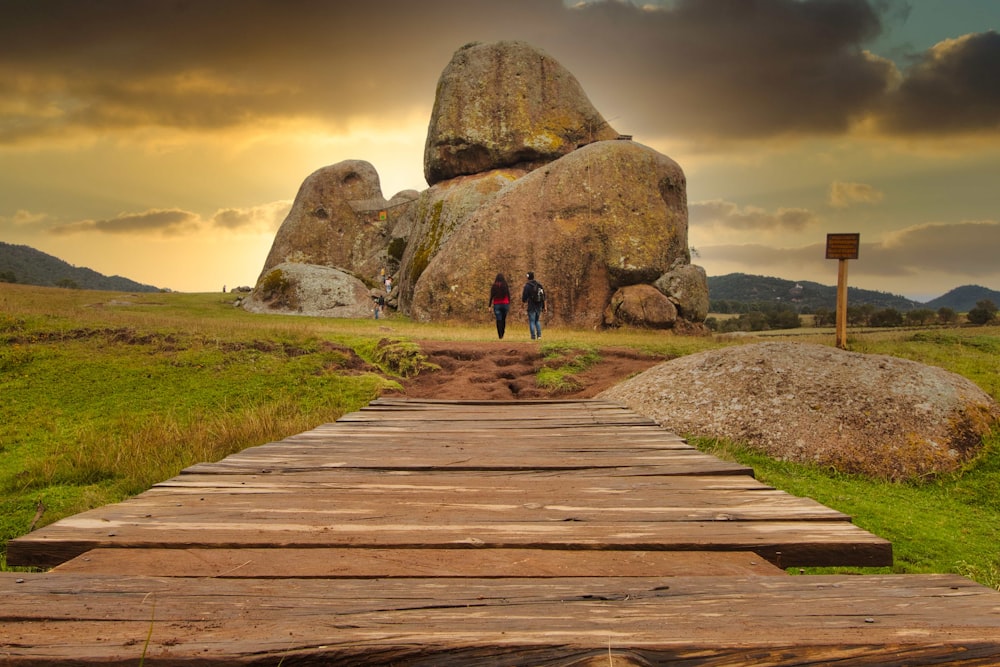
(501, 533)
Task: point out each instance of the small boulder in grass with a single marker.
(876, 415)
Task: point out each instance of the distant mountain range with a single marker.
(25, 265)
(807, 296)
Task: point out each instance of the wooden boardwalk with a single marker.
(501, 533)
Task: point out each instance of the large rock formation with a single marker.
(610, 214)
(858, 413)
(525, 176)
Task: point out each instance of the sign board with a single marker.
(842, 246)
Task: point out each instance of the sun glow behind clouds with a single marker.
(166, 127)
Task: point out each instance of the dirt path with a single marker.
(503, 371)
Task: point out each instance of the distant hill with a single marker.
(802, 295)
(963, 299)
(27, 266)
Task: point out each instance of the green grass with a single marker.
(561, 361)
(104, 394)
(951, 524)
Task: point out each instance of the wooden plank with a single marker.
(455, 504)
(386, 563)
(813, 620)
(501, 482)
(785, 543)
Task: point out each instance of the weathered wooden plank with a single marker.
(501, 482)
(872, 620)
(257, 462)
(385, 563)
(785, 543)
(455, 504)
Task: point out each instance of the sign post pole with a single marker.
(842, 304)
(842, 247)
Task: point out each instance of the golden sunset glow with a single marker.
(165, 141)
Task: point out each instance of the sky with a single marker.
(164, 140)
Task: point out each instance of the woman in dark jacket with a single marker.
(500, 302)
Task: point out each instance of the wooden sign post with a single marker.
(842, 247)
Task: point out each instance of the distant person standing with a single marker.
(500, 302)
(533, 296)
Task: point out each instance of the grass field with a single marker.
(104, 394)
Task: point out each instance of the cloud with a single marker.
(735, 69)
(264, 218)
(759, 258)
(168, 222)
(70, 67)
(728, 215)
(954, 87)
(707, 68)
(701, 71)
(844, 194)
(23, 218)
(964, 248)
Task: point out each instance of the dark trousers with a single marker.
(500, 311)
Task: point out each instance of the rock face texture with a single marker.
(340, 219)
(872, 414)
(525, 176)
(506, 104)
(441, 210)
(610, 214)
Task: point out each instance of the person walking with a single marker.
(533, 296)
(500, 302)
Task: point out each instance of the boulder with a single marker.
(686, 285)
(877, 415)
(610, 214)
(440, 210)
(506, 104)
(339, 219)
(640, 305)
(307, 289)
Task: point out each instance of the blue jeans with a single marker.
(534, 323)
(500, 312)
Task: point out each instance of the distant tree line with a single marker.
(760, 316)
(767, 316)
(68, 283)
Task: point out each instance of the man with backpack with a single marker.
(533, 296)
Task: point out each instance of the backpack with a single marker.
(538, 296)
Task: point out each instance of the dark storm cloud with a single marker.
(69, 65)
(954, 87)
(738, 69)
(701, 69)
